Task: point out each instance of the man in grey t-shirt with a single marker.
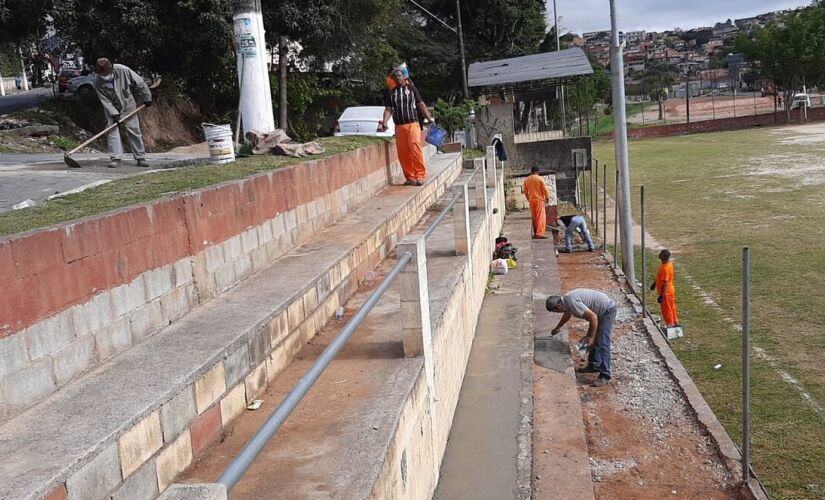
(600, 312)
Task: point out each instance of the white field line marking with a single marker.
(758, 351)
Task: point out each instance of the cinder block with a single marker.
(310, 301)
(243, 267)
(214, 257)
(174, 460)
(12, 354)
(210, 386)
(183, 272)
(128, 298)
(73, 359)
(206, 429)
(139, 443)
(93, 315)
(177, 413)
(113, 339)
(195, 492)
(260, 257)
(141, 485)
(50, 334)
(295, 310)
(259, 347)
(159, 282)
(279, 225)
(278, 328)
(232, 249)
(233, 404)
(255, 382)
(225, 276)
(29, 384)
(291, 220)
(237, 365)
(146, 320)
(97, 478)
(249, 240)
(177, 303)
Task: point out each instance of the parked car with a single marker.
(800, 100)
(82, 86)
(64, 77)
(363, 120)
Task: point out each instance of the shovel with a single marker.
(72, 163)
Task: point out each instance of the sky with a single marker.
(579, 16)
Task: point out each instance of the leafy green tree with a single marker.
(453, 118)
(789, 52)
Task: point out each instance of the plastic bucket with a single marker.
(436, 136)
(219, 140)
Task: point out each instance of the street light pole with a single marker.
(461, 46)
(620, 140)
(561, 95)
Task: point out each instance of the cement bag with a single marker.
(499, 266)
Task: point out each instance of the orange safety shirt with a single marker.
(665, 274)
(535, 188)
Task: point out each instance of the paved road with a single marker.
(38, 176)
(30, 99)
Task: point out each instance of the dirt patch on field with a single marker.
(642, 438)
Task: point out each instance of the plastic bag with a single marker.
(511, 263)
(499, 266)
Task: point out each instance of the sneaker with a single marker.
(602, 380)
(142, 163)
(410, 182)
(114, 163)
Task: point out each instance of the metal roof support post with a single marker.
(490, 173)
(480, 184)
(622, 159)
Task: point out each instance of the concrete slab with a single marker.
(481, 460)
(53, 439)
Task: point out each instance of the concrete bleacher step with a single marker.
(366, 429)
(128, 427)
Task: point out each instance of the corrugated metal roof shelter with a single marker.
(561, 66)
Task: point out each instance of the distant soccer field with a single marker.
(707, 196)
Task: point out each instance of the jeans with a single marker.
(577, 222)
(599, 357)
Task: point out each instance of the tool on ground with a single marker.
(72, 163)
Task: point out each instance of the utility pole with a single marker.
(561, 95)
(283, 53)
(687, 93)
(620, 141)
(23, 67)
(250, 52)
(461, 46)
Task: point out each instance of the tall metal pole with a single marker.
(616, 249)
(598, 229)
(644, 257)
(746, 364)
(590, 184)
(604, 212)
(561, 95)
(461, 46)
(687, 95)
(620, 140)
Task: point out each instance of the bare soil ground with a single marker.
(642, 438)
(706, 108)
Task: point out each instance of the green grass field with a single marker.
(707, 196)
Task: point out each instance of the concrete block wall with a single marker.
(80, 293)
(149, 454)
(413, 459)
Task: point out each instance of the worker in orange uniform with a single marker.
(667, 292)
(535, 189)
(404, 103)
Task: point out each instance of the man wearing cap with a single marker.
(599, 311)
(116, 87)
(572, 224)
(404, 103)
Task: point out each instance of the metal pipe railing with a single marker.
(233, 472)
(431, 229)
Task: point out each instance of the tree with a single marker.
(22, 23)
(789, 52)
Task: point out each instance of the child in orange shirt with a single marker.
(667, 292)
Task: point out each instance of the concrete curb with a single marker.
(524, 460)
(727, 449)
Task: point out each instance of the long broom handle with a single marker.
(105, 131)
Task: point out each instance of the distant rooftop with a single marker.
(562, 65)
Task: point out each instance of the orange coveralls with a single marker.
(535, 189)
(668, 293)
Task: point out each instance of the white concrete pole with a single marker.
(620, 142)
(250, 51)
(461, 219)
(480, 184)
(23, 68)
(2, 85)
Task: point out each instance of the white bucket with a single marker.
(219, 140)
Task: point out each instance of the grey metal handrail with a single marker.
(233, 472)
(431, 229)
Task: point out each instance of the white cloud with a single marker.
(658, 15)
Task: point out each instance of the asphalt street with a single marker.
(38, 176)
(30, 99)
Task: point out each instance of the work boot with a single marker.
(114, 163)
(142, 163)
(587, 369)
(410, 182)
